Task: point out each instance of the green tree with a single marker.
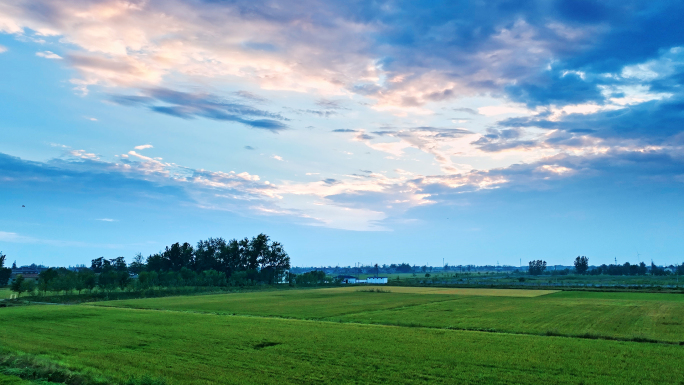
(17, 285)
(537, 267)
(5, 272)
(581, 264)
(46, 278)
(138, 264)
(86, 279)
(123, 279)
(28, 286)
(118, 264)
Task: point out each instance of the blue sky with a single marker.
(372, 132)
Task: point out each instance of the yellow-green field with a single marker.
(350, 335)
(455, 291)
(5, 292)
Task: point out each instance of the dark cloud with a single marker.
(654, 122)
(466, 110)
(267, 47)
(330, 181)
(250, 96)
(249, 148)
(189, 106)
(320, 113)
(500, 140)
(558, 89)
(344, 130)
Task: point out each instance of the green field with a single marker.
(594, 314)
(350, 335)
(5, 292)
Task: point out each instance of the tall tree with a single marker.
(156, 262)
(118, 264)
(581, 264)
(207, 254)
(258, 249)
(274, 262)
(17, 285)
(137, 265)
(230, 258)
(5, 273)
(537, 267)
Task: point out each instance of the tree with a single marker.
(581, 264)
(18, 285)
(137, 265)
(274, 261)
(28, 286)
(258, 249)
(45, 279)
(537, 267)
(122, 279)
(118, 264)
(97, 264)
(207, 254)
(5, 273)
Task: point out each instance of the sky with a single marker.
(350, 131)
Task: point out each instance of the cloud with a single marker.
(144, 146)
(3, 49)
(189, 106)
(402, 55)
(48, 55)
(441, 143)
(344, 130)
(249, 148)
(276, 157)
(107, 220)
(250, 96)
(466, 110)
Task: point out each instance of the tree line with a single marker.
(581, 263)
(212, 262)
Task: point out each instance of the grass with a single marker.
(349, 335)
(628, 316)
(192, 348)
(5, 292)
(605, 318)
(306, 304)
(13, 380)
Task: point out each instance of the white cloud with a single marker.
(3, 49)
(502, 110)
(48, 55)
(107, 220)
(276, 157)
(143, 146)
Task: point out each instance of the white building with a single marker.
(376, 280)
(347, 279)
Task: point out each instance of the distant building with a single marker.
(26, 270)
(376, 280)
(347, 278)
